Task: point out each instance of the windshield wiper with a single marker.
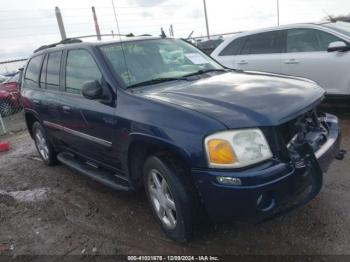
(155, 81)
(203, 71)
(165, 79)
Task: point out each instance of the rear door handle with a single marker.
(36, 102)
(242, 62)
(66, 109)
(291, 61)
(51, 103)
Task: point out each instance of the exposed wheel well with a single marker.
(30, 120)
(139, 152)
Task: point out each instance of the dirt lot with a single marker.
(54, 210)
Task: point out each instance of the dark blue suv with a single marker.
(201, 139)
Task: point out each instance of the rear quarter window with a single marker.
(31, 77)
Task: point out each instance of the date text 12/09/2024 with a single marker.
(173, 258)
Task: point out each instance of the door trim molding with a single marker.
(79, 134)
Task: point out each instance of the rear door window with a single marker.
(233, 48)
(262, 43)
(31, 77)
(80, 67)
(53, 70)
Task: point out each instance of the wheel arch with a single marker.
(141, 146)
(30, 119)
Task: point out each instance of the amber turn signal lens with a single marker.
(220, 152)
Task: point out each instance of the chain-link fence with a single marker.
(10, 67)
(11, 113)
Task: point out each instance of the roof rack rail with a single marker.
(63, 42)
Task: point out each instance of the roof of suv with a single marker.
(61, 45)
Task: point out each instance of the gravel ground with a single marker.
(13, 124)
(54, 210)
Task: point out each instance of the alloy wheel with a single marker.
(162, 199)
(41, 143)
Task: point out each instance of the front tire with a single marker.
(170, 196)
(43, 145)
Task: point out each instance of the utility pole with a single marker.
(278, 12)
(206, 18)
(97, 28)
(60, 23)
(2, 125)
(162, 33)
(171, 31)
(115, 17)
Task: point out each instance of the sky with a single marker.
(27, 24)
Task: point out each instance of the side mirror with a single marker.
(92, 90)
(337, 46)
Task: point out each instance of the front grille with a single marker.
(299, 125)
(307, 127)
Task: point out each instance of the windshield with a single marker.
(148, 60)
(341, 27)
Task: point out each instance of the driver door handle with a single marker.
(66, 109)
(36, 102)
(291, 61)
(242, 62)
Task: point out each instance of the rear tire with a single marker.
(43, 145)
(171, 197)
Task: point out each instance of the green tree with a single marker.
(344, 18)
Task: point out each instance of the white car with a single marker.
(315, 51)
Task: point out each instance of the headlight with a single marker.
(236, 148)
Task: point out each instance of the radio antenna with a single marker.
(121, 42)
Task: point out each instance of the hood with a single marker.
(241, 99)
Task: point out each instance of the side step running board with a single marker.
(99, 175)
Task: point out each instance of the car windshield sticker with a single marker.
(196, 59)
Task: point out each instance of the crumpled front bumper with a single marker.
(282, 186)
